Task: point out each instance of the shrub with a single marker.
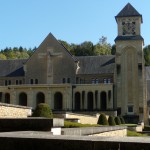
(42, 110)
(146, 128)
(102, 120)
(111, 121)
(117, 120)
(122, 120)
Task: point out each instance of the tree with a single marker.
(2, 56)
(113, 49)
(102, 47)
(84, 49)
(102, 120)
(147, 55)
(42, 110)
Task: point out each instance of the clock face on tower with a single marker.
(128, 28)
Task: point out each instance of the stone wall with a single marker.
(14, 111)
(118, 133)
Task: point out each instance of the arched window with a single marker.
(7, 98)
(77, 101)
(40, 98)
(90, 101)
(23, 99)
(108, 81)
(58, 101)
(31, 81)
(17, 82)
(103, 101)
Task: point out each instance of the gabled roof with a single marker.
(104, 64)
(12, 68)
(128, 11)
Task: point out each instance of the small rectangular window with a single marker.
(130, 109)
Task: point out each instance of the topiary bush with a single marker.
(102, 120)
(111, 121)
(122, 120)
(43, 110)
(117, 120)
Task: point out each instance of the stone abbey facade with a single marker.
(87, 83)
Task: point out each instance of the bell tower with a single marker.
(130, 70)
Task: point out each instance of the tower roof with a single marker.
(128, 11)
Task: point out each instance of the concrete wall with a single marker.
(14, 111)
(44, 141)
(120, 131)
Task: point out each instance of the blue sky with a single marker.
(27, 22)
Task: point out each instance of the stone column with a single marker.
(81, 101)
(85, 102)
(13, 97)
(98, 100)
(94, 104)
(31, 101)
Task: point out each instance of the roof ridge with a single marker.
(128, 11)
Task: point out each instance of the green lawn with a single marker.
(133, 133)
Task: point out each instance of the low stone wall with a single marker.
(120, 131)
(44, 141)
(84, 119)
(14, 111)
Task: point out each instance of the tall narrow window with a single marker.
(68, 80)
(96, 81)
(64, 80)
(36, 81)
(20, 81)
(16, 82)
(31, 81)
(93, 81)
(105, 81)
(108, 81)
(6, 82)
(9, 82)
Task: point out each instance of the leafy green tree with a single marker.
(113, 49)
(2, 56)
(102, 47)
(147, 55)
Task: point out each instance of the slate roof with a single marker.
(12, 68)
(103, 64)
(128, 11)
(137, 37)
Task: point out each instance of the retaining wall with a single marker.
(44, 141)
(14, 111)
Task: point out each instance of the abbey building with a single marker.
(82, 84)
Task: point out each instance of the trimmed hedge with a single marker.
(122, 120)
(111, 121)
(69, 124)
(117, 120)
(43, 110)
(102, 120)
